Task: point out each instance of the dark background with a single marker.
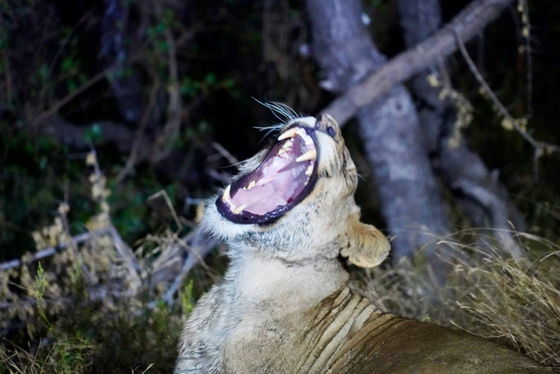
(168, 93)
(228, 53)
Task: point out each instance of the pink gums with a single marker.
(278, 180)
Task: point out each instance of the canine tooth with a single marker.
(251, 185)
(226, 196)
(285, 147)
(309, 170)
(239, 209)
(288, 144)
(288, 134)
(309, 155)
(307, 139)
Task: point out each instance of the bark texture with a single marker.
(410, 198)
(476, 189)
(466, 24)
(113, 52)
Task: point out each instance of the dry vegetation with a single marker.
(91, 304)
(517, 303)
(88, 303)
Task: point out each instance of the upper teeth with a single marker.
(226, 196)
(288, 134)
(306, 138)
(285, 147)
(309, 155)
(296, 131)
(309, 170)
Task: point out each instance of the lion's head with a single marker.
(295, 200)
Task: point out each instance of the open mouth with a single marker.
(286, 176)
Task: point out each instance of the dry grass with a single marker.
(486, 294)
(90, 310)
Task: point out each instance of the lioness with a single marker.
(284, 305)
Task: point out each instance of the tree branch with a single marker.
(443, 43)
(47, 252)
(74, 135)
(537, 145)
(459, 167)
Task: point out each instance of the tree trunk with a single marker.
(410, 198)
(113, 52)
(477, 191)
(466, 24)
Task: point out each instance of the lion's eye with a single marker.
(331, 131)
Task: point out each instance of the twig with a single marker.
(66, 99)
(523, 8)
(122, 248)
(200, 247)
(487, 90)
(47, 252)
(225, 153)
(467, 23)
(538, 145)
(139, 136)
(83, 87)
(93, 294)
(128, 257)
(64, 43)
(173, 124)
(169, 204)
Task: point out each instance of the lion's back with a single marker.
(390, 344)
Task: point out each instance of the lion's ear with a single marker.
(367, 246)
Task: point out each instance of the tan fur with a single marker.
(368, 246)
(284, 305)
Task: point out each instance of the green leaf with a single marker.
(210, 79)
(93, 134)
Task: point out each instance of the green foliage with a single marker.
(67, 332)
(187, 297)
(36, 176)
(32, 180)
(87, 338)
(93, 134)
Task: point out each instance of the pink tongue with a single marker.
(281, 179)
(260, 200)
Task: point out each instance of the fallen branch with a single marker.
(128, 258)
(200, 245)
(400, 68)
(47, 252)
(74, 135)
(497, 211)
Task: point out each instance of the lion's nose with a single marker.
(321, 123)
(326, 121)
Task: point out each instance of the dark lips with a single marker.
(286, 175)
